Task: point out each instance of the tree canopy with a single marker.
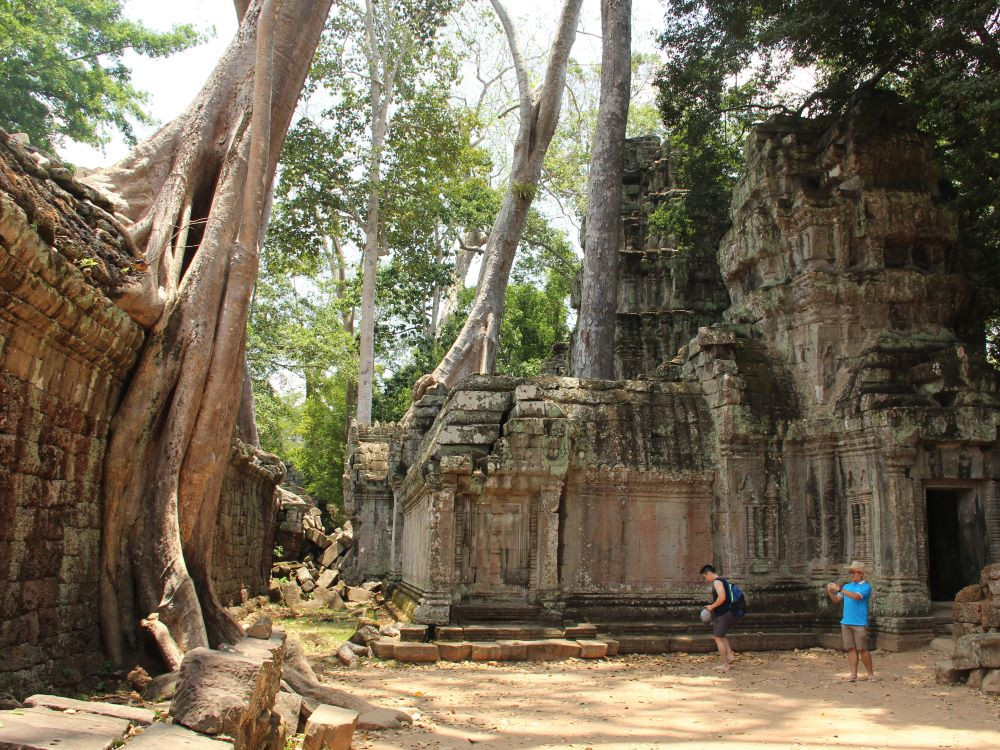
(62, 68)
(727, 58)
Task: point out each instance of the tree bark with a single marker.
(595, 339)
(475, 348)
(382, 75)
(194, 194)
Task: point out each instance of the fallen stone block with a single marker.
(317, 537)
(329, 598)
(232, 692)
(389, 631)
(967, 611)
(260, 629)
(973, 593)
(485, 651)
(975, 678)
(590, 649)
(452, 651)
(990, 573)
(163, 736)
(365, 635)
(946, 673)
(372, 586)
(42, 729)
(384, 648)
(330, 728)
(346, 655)
(416, 652)
(977, 650)
(288, 706)
(358, 594)
(944, 646)
(291, 594)
(513, 650)
(410, 632)
(552, 649)
(991, 682)
(327, 578)
(141, 716)
(329, 556)
(161, 688)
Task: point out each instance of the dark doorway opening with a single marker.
(956, 541)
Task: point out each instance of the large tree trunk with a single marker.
(475, 348)
(595, 340)
(194, 194)
(382, 76)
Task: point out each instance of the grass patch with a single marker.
(320, 633)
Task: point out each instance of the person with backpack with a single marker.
(723, 616)
(855, 594)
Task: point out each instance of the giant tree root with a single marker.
(301, 678)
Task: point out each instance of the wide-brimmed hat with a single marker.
(858, 566)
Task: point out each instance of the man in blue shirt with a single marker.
(854, 624)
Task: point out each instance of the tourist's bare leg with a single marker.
(866, 658)
(724, 652)
(852, 660)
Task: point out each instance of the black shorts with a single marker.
(722, 623)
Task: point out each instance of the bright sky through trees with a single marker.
(174, 81)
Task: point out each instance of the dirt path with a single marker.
(771, 700)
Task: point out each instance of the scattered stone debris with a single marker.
(975, 657)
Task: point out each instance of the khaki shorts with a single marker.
(855, 636)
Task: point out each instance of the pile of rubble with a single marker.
(975, 658)
(236, 697)
(304, 585)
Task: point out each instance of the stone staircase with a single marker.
(531, 641)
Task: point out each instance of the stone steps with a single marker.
(546, 649)
(598, 646)
(470, 614)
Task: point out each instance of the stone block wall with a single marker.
(65, 351)
(245, 532)
(368, 498)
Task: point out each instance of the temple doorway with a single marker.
(956, 540)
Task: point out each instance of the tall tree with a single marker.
(62, 72)
(395, 41)
(475, 347)
(194, 197)
(594, 355)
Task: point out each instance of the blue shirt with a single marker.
(856, 610)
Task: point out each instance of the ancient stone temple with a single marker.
(830, 402)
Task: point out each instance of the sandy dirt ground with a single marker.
(769, 700)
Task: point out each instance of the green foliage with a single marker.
(942, 56)
(62, 70)
(671, 218)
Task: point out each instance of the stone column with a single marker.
(396, 540)
(547, 570)
(435, 603)
(902, 601)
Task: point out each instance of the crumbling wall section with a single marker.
(244, 538)
(65, 352)
(668, 288)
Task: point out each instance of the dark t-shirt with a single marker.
(725, 606)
